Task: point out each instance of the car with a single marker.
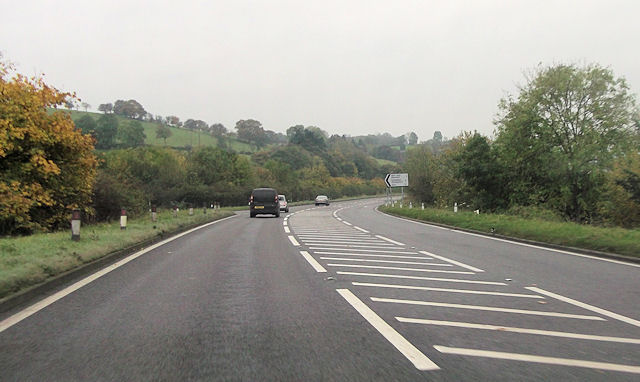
(283, 203)
(264, 201)
(322, 199)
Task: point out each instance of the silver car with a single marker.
(283, 203)
(322, 199)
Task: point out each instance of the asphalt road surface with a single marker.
(337, 293)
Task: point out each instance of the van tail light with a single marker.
(276, 199)
(251, 199)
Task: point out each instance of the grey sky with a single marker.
(348, 67)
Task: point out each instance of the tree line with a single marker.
(566, 146)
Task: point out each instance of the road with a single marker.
(337, 293)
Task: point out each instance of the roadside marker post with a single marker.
(75, 224)
(123, 218)
(154, 214)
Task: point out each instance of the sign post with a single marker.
(396, 180)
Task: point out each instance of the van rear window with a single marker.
(264, 195)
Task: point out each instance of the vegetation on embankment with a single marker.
(613, 240)
(30, 260)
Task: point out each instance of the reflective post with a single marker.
(75, 224)
(175, 211)
(154, 214)
(123, 218)
(190, 211)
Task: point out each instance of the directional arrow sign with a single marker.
(397, 180)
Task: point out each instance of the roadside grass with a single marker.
(30, 260)
(613, 240)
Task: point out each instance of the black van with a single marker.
(264, 201)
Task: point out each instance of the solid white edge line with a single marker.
(14, 319)
(389, 240)
(539, 359)
(346, 222)
(510, 329)
(312, 261)
(287, 230)
(360, 229)
(448, 290)
(293, 241)
(515, 242)
(583, 305)
(339, 219)
(415, 356)
(488, 308)
(463, 265)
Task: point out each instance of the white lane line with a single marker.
(463, 265)
(466, 291)
(551, 333)
(586, 306)
(488, 308)
(339, 219)
(346, 222)
(345, 241)
(516, 242)
(415, 356)
(293, 241)
(360, 229)
(387, 261)
(398, 268)
(364, 250)
(287, 230)
(284, 223)
(389, 240)
(312, 261)
(12, 320)
(371, 255)
(539, 359)
(420, 278)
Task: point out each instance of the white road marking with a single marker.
(339, 219)
(467, 291)
(346, 241)
(284, 223)
(550, 333)
(346, 222)
(387, 261)
(360, 229)
(352, 236)
(365, 250)
(287, 230)
(463, 265)
(415, 356)
(312, 261)
(293, 241)
(420, 278)
(348, 245)
(539, 359)
(12, 320)
(586, 306)
(488, 308)
(517, 243)
(398, 268)
(371, 255)
(389, 240)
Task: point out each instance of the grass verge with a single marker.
(613, 240)
(30, 260)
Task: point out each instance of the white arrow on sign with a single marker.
(397, 180)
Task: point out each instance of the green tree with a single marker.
(252, 131)
(131, 134)
(106, 131)
(413, 138)
(163, 132)
(105, 107)
(86, 124)
(559, 136)
(130, 109)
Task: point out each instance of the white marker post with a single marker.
(190, 211)
(123, 218)
(154, 214)
(75, 224)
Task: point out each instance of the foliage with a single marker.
(106, 131)
(130, 109)
(131, 134)
(86, 124)
(106, 107)
(252, 131)
(163, 132)
(47, 165)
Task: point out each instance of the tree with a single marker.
(197, 125)
(163, 132)
(560, 136)
(172, 120)
(86, 124)
(106, 131)
(413, 138)
(105, 108)
(218, 130)
(131, 134)
(47, 166)
(130, 109)
(311, 138)
(86, 106)
(252, 131)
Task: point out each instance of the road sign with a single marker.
(397, 180)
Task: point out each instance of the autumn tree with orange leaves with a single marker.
(47, 166)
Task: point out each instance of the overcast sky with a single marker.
(348, 67)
